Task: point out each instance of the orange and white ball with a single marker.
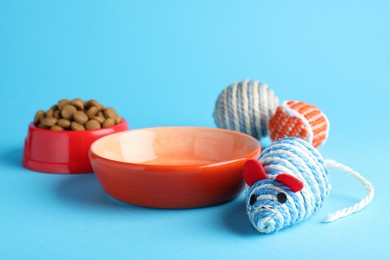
(299, 119)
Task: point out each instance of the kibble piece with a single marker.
(80, 117)
(101, 114)
(76, 126)
(62, 103)
(40, 114)
(50, 113)
(91, 112)
(92, 125)
(110, 112)
(49, 121)
(94, 103)
(42, 126)
(109, 122)
(118, 119)
(68, 111)
(65, 123)
(78, 103)
(57, 114)
(56, 128)
(99, 119)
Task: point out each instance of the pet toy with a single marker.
(299, 119)
(289, 182)
(246, 106)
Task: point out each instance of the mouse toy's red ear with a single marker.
(253, 172)
(290, 181)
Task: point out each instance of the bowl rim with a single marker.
(33, 127)
(251, 154)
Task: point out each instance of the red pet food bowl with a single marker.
(62, 151)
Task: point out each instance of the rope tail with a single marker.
(358, 206)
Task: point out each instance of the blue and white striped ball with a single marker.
(287, 184)
(247, 107)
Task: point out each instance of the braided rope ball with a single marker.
(299, 119)
(246, 106)
(287, 184)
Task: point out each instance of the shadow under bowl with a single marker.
(173, 167)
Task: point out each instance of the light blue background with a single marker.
(164, 63)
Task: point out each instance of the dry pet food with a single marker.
(77, 115)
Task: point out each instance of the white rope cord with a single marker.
(358, 206)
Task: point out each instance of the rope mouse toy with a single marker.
(289, 181)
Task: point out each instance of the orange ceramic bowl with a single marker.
(173, 167)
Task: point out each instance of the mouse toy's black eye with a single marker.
(253, 199)
(282, 197)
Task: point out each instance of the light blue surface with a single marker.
(165, 64)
